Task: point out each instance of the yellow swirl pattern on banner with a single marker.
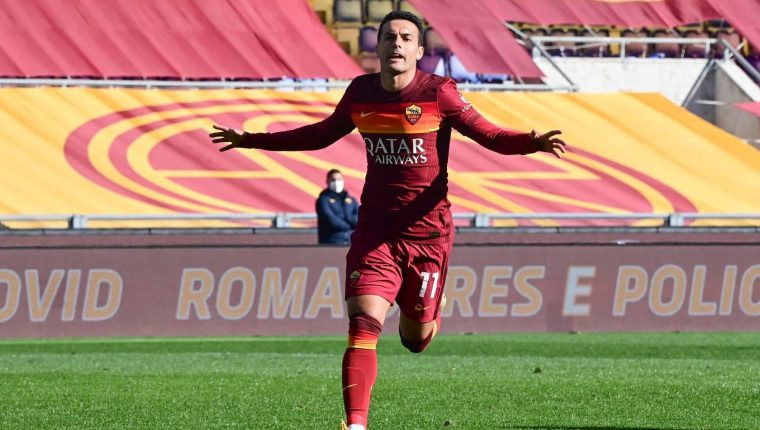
(656, 142)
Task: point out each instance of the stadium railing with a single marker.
(295, 219)
(590, 41)
(729, 51)
(285, 85)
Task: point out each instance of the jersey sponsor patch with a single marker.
(413, 114)
(397, 151)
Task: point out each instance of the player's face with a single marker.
(399, 46)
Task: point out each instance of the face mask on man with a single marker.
(336, 185)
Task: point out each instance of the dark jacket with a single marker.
(337, 214)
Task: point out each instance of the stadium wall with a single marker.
(180, 283)
(672, 78)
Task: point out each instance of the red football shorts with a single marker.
(408, 273)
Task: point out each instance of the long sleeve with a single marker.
(352, 212)
(465, 119)
(329, 218)
(310, 137)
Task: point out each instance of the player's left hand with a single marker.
(232, 136)
(548, 143)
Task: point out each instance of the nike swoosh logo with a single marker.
(352, 385)
(419, 308)
(363, 114)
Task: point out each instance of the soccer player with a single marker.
(400, 248)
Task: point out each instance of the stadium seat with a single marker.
(635, 49)
(755, 62)
(348, 38)
(434, 44)
(368, 39)
(564, 49)
(590, 49)
(551, 47)
(368, 61)
(493, 79)
(377, 9)
(531, 32)
(407, 7)
(733, 38)
(347, 12)
(432, 63)
(754, 56)
(664, 50)
(323, 9)
(695, 50)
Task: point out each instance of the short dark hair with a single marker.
(332, 172)
(401, 14)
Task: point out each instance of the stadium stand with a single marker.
(591, 49)
(124, 39)
(348, 11)
(353, 23)
(664, 49)
(406, 6)
(376, 10)
(696, 50)
(368, 12)
(126, 151)
(367, 57)
(635, 49)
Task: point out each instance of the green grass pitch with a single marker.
(499, 381)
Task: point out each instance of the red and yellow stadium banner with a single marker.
(100, 151)
(196, 288)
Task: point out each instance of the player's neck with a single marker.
(394, 83)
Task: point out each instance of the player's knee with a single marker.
(416, 346)
(363, 331)
(413, 346)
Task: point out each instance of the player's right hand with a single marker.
(546, 142)
(229, 135)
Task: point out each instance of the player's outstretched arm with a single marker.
(307, 138)
(465, 119)
(231, 136)
(548, 143)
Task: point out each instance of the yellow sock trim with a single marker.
(362, 344)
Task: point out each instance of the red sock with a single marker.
(360, 367)
(426, 341)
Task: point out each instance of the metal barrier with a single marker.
(284, 85)
(592, 41)
(295, 219)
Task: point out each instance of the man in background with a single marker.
(337, 211)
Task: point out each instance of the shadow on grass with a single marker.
(589, 428)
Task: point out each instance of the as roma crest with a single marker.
(413, 114)
(355, 275)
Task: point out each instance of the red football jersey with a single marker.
(406, 135)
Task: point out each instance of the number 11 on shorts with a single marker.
(425, 280)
